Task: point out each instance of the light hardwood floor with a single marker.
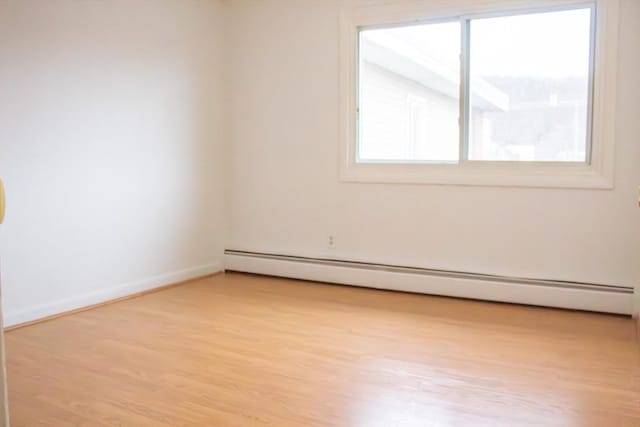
(240, 350)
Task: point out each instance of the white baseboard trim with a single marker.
(16, 317)
(591, 298)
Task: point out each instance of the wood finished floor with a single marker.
(240, 350)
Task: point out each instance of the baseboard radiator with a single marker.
(547, 293)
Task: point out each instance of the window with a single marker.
(409, 93)
(484, 96)
(529, 78)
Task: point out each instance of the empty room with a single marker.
(327, 213)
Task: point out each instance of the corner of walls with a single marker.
(227, 149)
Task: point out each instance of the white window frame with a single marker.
(597, 172)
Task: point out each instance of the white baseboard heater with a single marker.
(547, 293)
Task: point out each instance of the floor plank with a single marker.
(242, 350)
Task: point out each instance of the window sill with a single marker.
(492, 174)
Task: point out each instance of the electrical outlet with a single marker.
(331, 242)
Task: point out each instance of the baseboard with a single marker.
(570, 295)
(40, 311)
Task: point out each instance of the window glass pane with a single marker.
(529, 87)
(409, 93)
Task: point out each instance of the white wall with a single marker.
(286, 196)
(111, 148)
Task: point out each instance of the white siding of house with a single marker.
(388, 128)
